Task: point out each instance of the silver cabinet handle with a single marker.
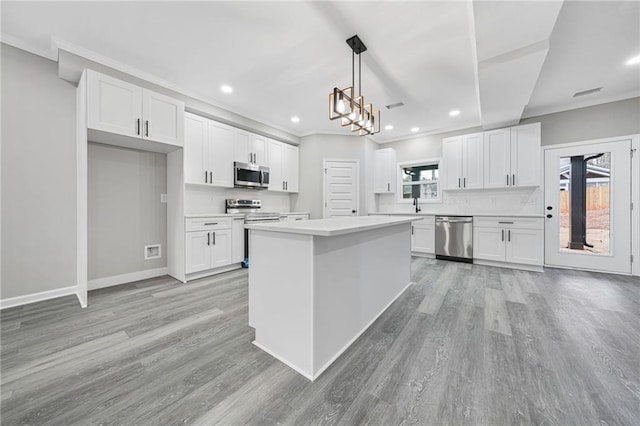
(388, 187)
(513, 180)
(286, 185)
(509, 235)
(464, 182)
(214, 238)
(458, 182)
(146, 125)
(138, 126)
(507, 180)
(205, 177)
(283, 185)
(411, 229)
(506, 223)
(208, 239)
(210, 223)
(503, 235)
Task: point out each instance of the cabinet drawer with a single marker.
(207, 223)
(291, 217)
(509, 222)
(426, 220)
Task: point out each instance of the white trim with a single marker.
(209, 272)
(635, 199)
(21, 44)
(599, 271)
(126, 278)
(38, 297)
(324, 182)
(508, 265)
(590, 141)
(537, 112)
(285, 362)
(365, 328)
(82, 179)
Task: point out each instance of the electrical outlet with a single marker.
(163, 198)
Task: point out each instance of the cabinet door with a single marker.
(384, 171)
(423, 238)
(290, 167)
(473, 161)
(220, 152)
(220, 248)
(488, 243)
(237, 241)
(163, 118)
(525, 246)
(195, 149)
(113, 105)
(497, 158)
(525, 155)
(452, 162)
(242, 146)
(259, 149)
(276, 180)
(198, 251)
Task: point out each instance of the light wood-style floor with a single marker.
(465, 344)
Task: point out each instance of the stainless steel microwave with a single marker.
(247, 175)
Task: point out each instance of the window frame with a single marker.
(413, 163)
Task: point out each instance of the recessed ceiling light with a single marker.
(415, 129)
(226, 89)
(454, 112)
(634, 60)
(295, 119)
(388, 127)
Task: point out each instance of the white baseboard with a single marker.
(38, 297)
(126, 278)
(508, 265)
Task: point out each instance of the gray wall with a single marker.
(600, 121)
(124, 209)
(316, 148)
(38, 176)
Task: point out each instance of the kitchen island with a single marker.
(315, 286)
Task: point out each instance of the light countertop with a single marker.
(191, 215)
(458, 214)
(331, 227)
(288, 213)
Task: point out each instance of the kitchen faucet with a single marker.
(415, 203)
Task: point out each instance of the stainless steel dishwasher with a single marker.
(454, 238)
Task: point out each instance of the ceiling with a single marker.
(496, 62)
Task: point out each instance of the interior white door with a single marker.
(340, 188)
(606, 209)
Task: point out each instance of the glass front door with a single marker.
(588, 206)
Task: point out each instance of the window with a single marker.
(421, 180)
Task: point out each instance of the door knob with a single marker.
(549, 216)
(549, 208)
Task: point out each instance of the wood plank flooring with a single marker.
(465, 344)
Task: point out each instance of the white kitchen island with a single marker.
(315, 286)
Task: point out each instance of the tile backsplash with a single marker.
(211, 199)
(498, 201)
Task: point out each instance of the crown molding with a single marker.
(21, 44)
(536, 112)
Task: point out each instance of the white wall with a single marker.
(124, 210)
(316, 148)
(38, 176)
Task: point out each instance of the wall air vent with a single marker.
(396, 105)
(587, 92)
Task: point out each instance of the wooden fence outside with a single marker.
(597, 199)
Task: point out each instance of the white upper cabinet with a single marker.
(208, 152)
(525, 155)
(220, 152)
(250, 148)
(384, 171)
(452, 162)
(118, 107)
(163, 118)
(290, 167)
(195, 147)
(497, 153)
(113, 105)
(463, 159)
(512, 157)
(283, 166)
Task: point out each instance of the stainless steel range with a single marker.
(252, 211)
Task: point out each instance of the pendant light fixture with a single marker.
(349, 108)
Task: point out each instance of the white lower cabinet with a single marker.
(508, 240)
(208, 243)
(423, 235)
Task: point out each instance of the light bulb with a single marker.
(340, 106)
